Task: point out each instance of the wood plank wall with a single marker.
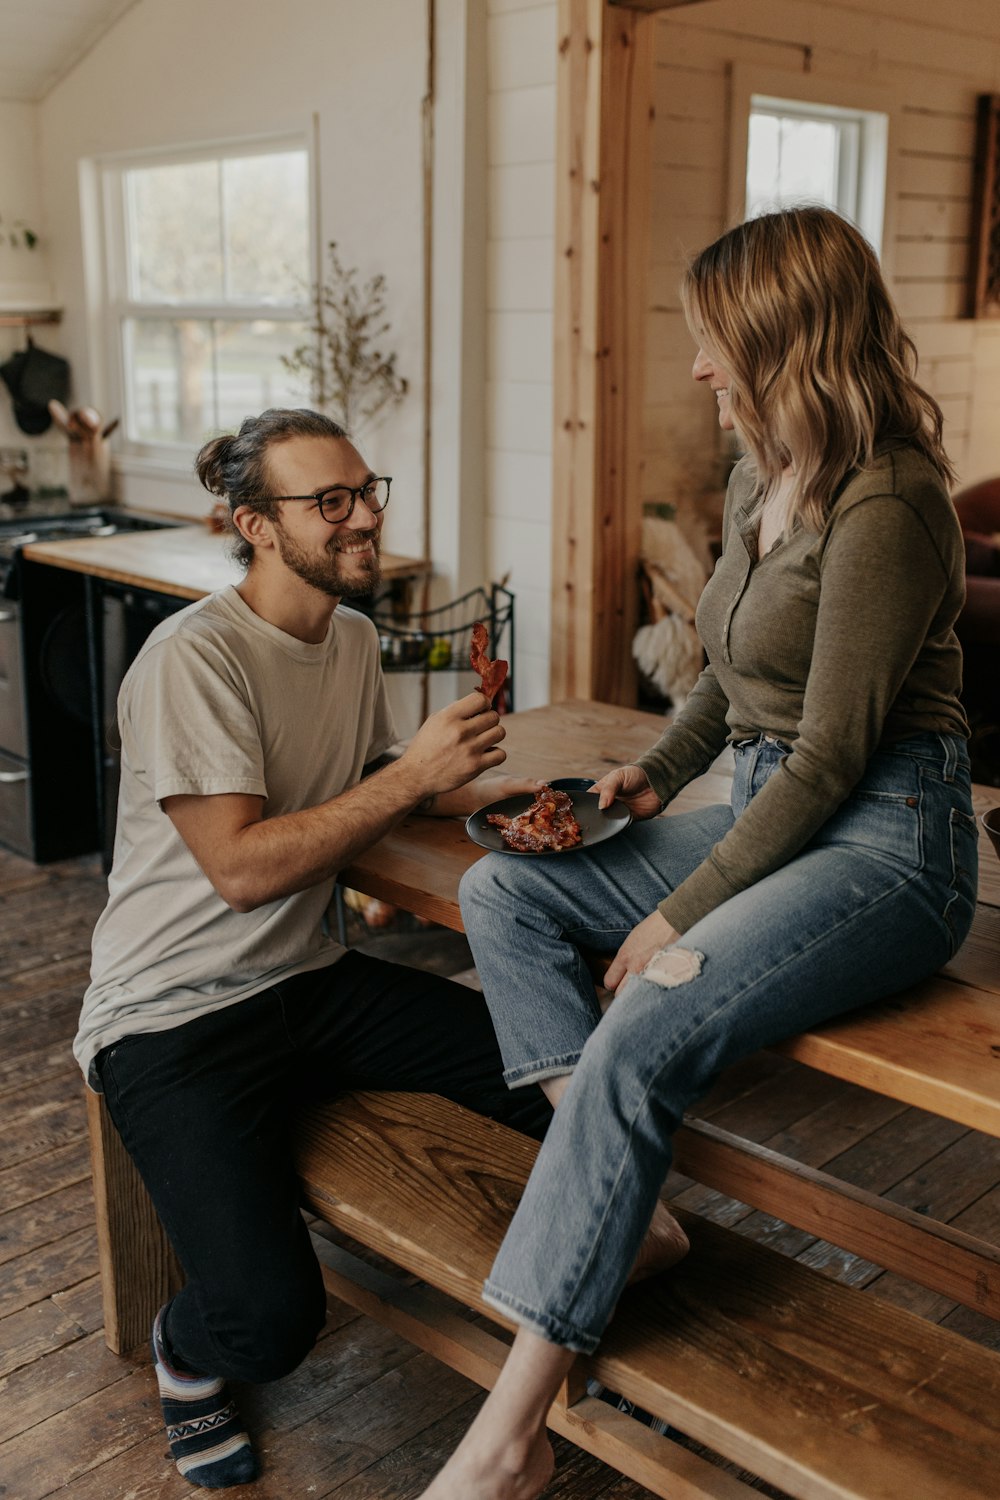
(603, 151)
(935, 59)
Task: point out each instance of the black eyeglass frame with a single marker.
(345, 489)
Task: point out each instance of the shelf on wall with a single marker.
(28, 317)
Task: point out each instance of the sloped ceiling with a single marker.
(41, 40)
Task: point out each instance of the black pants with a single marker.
(205, 1111)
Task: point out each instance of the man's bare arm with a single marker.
(491, 786)
(252, 860)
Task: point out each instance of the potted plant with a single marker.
(350, 373)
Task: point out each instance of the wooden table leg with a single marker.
(139, 1270)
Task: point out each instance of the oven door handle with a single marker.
(7, 778)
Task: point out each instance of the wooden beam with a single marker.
(603, 153)
(139, 1270)
(922, 1249)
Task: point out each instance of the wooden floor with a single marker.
(366, 1417)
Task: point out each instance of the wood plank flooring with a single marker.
(366, 1417)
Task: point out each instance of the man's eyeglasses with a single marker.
(336, 503)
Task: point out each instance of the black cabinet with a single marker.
(55, 664)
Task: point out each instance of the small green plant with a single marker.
(17, 234)
(349, 375)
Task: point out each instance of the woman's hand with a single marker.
(629, 784)
(652, 934)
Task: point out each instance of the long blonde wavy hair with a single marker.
(793, 304)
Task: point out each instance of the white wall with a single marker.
(492, 336)
(24, 273)
(521, 76)
(174, 72)
(932, 60)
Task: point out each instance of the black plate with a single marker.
(595, 826)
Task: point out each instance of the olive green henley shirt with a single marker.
(836, 643)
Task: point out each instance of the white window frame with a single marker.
(877, 110)
(109, 302)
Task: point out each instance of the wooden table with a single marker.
(419, 864)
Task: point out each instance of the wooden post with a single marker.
(138, 1268)
(603, 152)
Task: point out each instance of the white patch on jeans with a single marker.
(673, 966)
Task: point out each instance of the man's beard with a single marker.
(325, 574)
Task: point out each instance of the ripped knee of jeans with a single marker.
(673, 966)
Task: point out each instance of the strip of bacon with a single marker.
(492, 673)
(547, 824)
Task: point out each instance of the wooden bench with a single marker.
(810, 1384)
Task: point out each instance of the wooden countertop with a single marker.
(185, 561)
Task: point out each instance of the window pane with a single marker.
(791, 160)
(187, 377)
(173, 233)
(249, 373)
(266, 207)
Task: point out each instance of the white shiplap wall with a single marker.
(932, 60)
(521, 78)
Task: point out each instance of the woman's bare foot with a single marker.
(665, 1244)
(520, 1471)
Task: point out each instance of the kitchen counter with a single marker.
(185, 561)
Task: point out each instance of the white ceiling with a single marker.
(41, 40)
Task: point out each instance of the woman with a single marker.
(844, 868)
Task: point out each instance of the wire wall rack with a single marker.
(438, 640)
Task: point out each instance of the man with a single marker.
(218, 1001)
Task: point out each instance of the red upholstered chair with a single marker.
(978, 627)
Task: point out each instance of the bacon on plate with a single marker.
(547, 824)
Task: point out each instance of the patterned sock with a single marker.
(204, 1429)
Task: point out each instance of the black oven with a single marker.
(127, 616)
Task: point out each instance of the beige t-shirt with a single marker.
(220, 701)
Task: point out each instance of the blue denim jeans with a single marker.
(881, 897)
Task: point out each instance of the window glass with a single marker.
(265, 202)
(791, 160)
(190, 376)
(173, 234)
(800, 152)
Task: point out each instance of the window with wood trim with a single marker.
(802, 152)
(207, 265)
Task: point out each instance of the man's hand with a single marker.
(628, 784)
(453, 746)
(652, 934)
